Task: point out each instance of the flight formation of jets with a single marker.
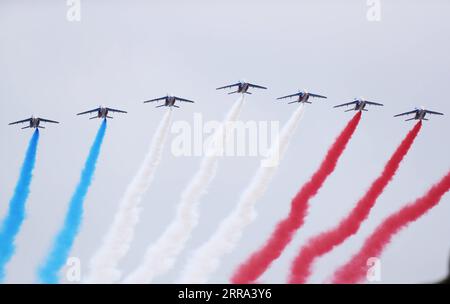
(359, 104)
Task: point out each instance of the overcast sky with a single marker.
(123, 52)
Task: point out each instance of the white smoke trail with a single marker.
(161, 255)
(206, 259)
(117, 242)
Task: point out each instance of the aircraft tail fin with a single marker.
(364, 110)
(175, 106)
(41, 127)
(109, 117)
(349, 110)
(410, 119)
(27, 127)
(93, 117)
(159, 106)
(233, 92)
(293, 102)
(248, 93)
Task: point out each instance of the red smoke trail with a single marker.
(354, 271)
(326, 241)
(259, 261)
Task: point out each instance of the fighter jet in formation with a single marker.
(102, 112)
(419, 114)
(34, 122)
(301, 96)
(359, 104)
(242, 87)
(169, 101)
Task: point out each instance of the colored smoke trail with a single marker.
(355, 270)
(260, 261)
(16, 213)
(326, 241)
(116, 244)
(206, 259)
(48, 271)
(161, 255)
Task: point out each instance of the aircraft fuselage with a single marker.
(360, 105)
(420, 115)
(243, 87)
(34, 122)
(303, 97)
(102, 112)
(170, 101)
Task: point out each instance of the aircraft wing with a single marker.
(90, 111)
(256, 86)
(374, 103)
(346, 104)
(289, 96)
(316, 95)
(182, 99)
(433, 112)
(156, 99)
(115, 110)
(406, 113)
(229, 86)
(20, 121)
(48, 120)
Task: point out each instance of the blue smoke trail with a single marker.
(48, 271)
(16, 213)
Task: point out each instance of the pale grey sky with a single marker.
(123, 52)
